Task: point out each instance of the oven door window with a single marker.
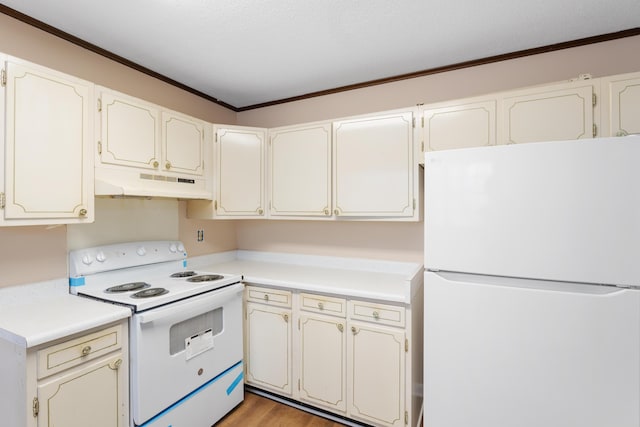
(196, 330)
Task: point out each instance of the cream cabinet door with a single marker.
(463, 124)
(87, 396)
(376, 366)
(182, 144)
(268, 347)
(624, 96)
(323, 361)
(240, 153)
(300, 170)
(373, 166)
(130, 131)
(559, 112)
(48, 146)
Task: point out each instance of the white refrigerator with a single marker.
(532, 300)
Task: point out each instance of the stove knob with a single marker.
(101, 257)
(180, 247)
(86, 259)
(141, 251)
(173, 247)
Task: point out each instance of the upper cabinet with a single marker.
(374, 167)
(300, 171)
(147, 150)
(549, 113)
(48, 149)
(624, 104)
(459, 124)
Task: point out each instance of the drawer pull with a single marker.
(321, 306)
(266, 297)
(340, 327)
(376, 315)
(86, 350)
(285, 316)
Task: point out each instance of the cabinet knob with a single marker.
(336, 211)
(83, 212)
(155, 164)
(115, 365)
(167, 165)
(321, 306)
(354, 331)
(285, 316)
(260, 211)
(376, 315)
(327, 211)
(86, 350)
(266, 297)
(340, 327)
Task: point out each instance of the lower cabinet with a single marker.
(345, 356)
(78, 381)
(268, 339)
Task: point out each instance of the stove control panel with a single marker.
(83, 262)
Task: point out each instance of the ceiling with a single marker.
(249, 52)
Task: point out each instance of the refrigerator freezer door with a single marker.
(566, 210)
(502, 352)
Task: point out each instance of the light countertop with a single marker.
(360, 278)
(35, 314)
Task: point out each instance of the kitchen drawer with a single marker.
(275, 297)
(384, 314)
(323, 304)
(73, 352)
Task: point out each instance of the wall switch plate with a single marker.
(200, 235)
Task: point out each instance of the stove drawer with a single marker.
(67, 354)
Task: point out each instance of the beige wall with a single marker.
(46, 247)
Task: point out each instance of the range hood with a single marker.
(122, 182)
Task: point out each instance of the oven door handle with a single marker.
(195, 305)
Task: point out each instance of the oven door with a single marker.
(179, 347)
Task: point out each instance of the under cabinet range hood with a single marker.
(123, 182)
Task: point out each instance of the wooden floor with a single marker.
(259, 411)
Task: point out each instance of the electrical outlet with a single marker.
(200, 235)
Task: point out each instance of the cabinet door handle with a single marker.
(327, 211)
(285, 316)
(83, 212)
(167, 165)
(354, 331)
(266, 297)
(86, 350)
(115, 365)
(340, 327)
(155, 164)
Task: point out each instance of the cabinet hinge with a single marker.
(3, 77)
(414, 204)
(422, 121)
(298, 383)
(2, 200)
(215, 204)
(413, 122)
(595, 130)
(216, 137)
(99, 104)
(406, 417)
(99, 147)
(36, 407)
(594, 99)
(406, 345)
(422, 146)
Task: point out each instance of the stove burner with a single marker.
(205, 278)
(148, 293)
(127, 287)
(184, 274)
